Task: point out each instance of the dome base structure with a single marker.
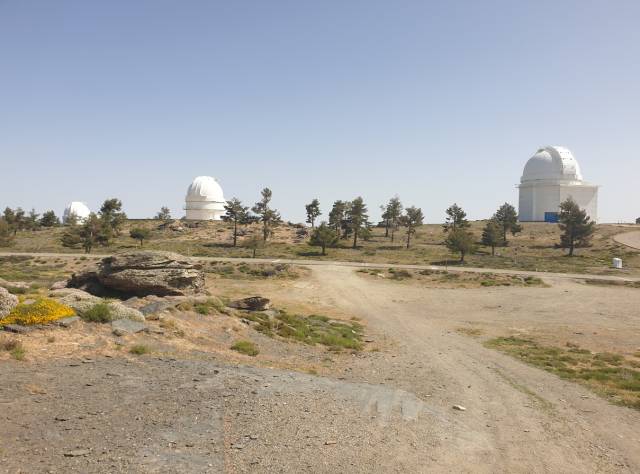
(550, 177)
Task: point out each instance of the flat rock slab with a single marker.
(156, 307)
(121, 327)
(68, 322)
(16, 328)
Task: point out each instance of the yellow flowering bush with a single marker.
(41, 311)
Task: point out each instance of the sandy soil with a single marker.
(378, 411)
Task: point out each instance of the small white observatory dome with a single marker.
(205, 199)
(77, 208)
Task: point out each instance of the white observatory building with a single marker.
(205, 200)
(79, 209)
(549, 178)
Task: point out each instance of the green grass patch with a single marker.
(139, 349)
(610, 375)
(98, 313)
(246, 347)
(314, 329)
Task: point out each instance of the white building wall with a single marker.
(585, 195)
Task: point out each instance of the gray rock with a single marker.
(16, 328)
(121, 327)
(156, 307)
(142, 273)
(82, 301)
(7, 302)
(77, 453)
(253, 303)
(68, 322)
(59, 285)
(13, 284)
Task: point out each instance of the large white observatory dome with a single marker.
(205, 199)
(77, 208)
(550, 177)
(552, 163)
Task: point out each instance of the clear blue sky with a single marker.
(436, 101)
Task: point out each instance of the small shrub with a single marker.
(98, 313)
(246, 347)
(139, 349)
(16, 290)
(18, 353)
(41, 311)
(11, 344)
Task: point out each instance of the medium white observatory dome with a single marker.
(552, 163)
(205, 199)
(550, 177)
(77, 208)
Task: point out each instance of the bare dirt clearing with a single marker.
(383, 410)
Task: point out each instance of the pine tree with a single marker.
(269, 217)
(393, 213)
(6, 233)
(313, 212)
(456, 219)
(357, 218)
(336, 216)
(164, 214)
(49, 219)
(507, 218)
(253, 243)
(323, 236)
(492, 235)
(460, 240)
(140, 234)
(33, 220)
(113, 219)
(576, 226)
(236, 213)
(412, 219)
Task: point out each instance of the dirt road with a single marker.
(387, 411)
(630, 239)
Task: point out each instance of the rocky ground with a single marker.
(419, 397)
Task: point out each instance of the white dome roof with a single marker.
(552, 163)
(205, 189)
(78, 208)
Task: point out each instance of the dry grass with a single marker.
(611, 375)
(533, 249)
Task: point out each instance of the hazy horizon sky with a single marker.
(434, 101)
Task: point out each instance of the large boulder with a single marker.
(140, 274)
(252, 303)
(7, 302)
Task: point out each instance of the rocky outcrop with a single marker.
(14, 284)
(82, 301)
(141, 274)
(7, 302)
(253, 303)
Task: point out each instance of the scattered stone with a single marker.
(330, 442)
(74, 453)
(252, 303)
(121, 327)
(142, 273)
(68, 322)
(459, 408)
(7, 302)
